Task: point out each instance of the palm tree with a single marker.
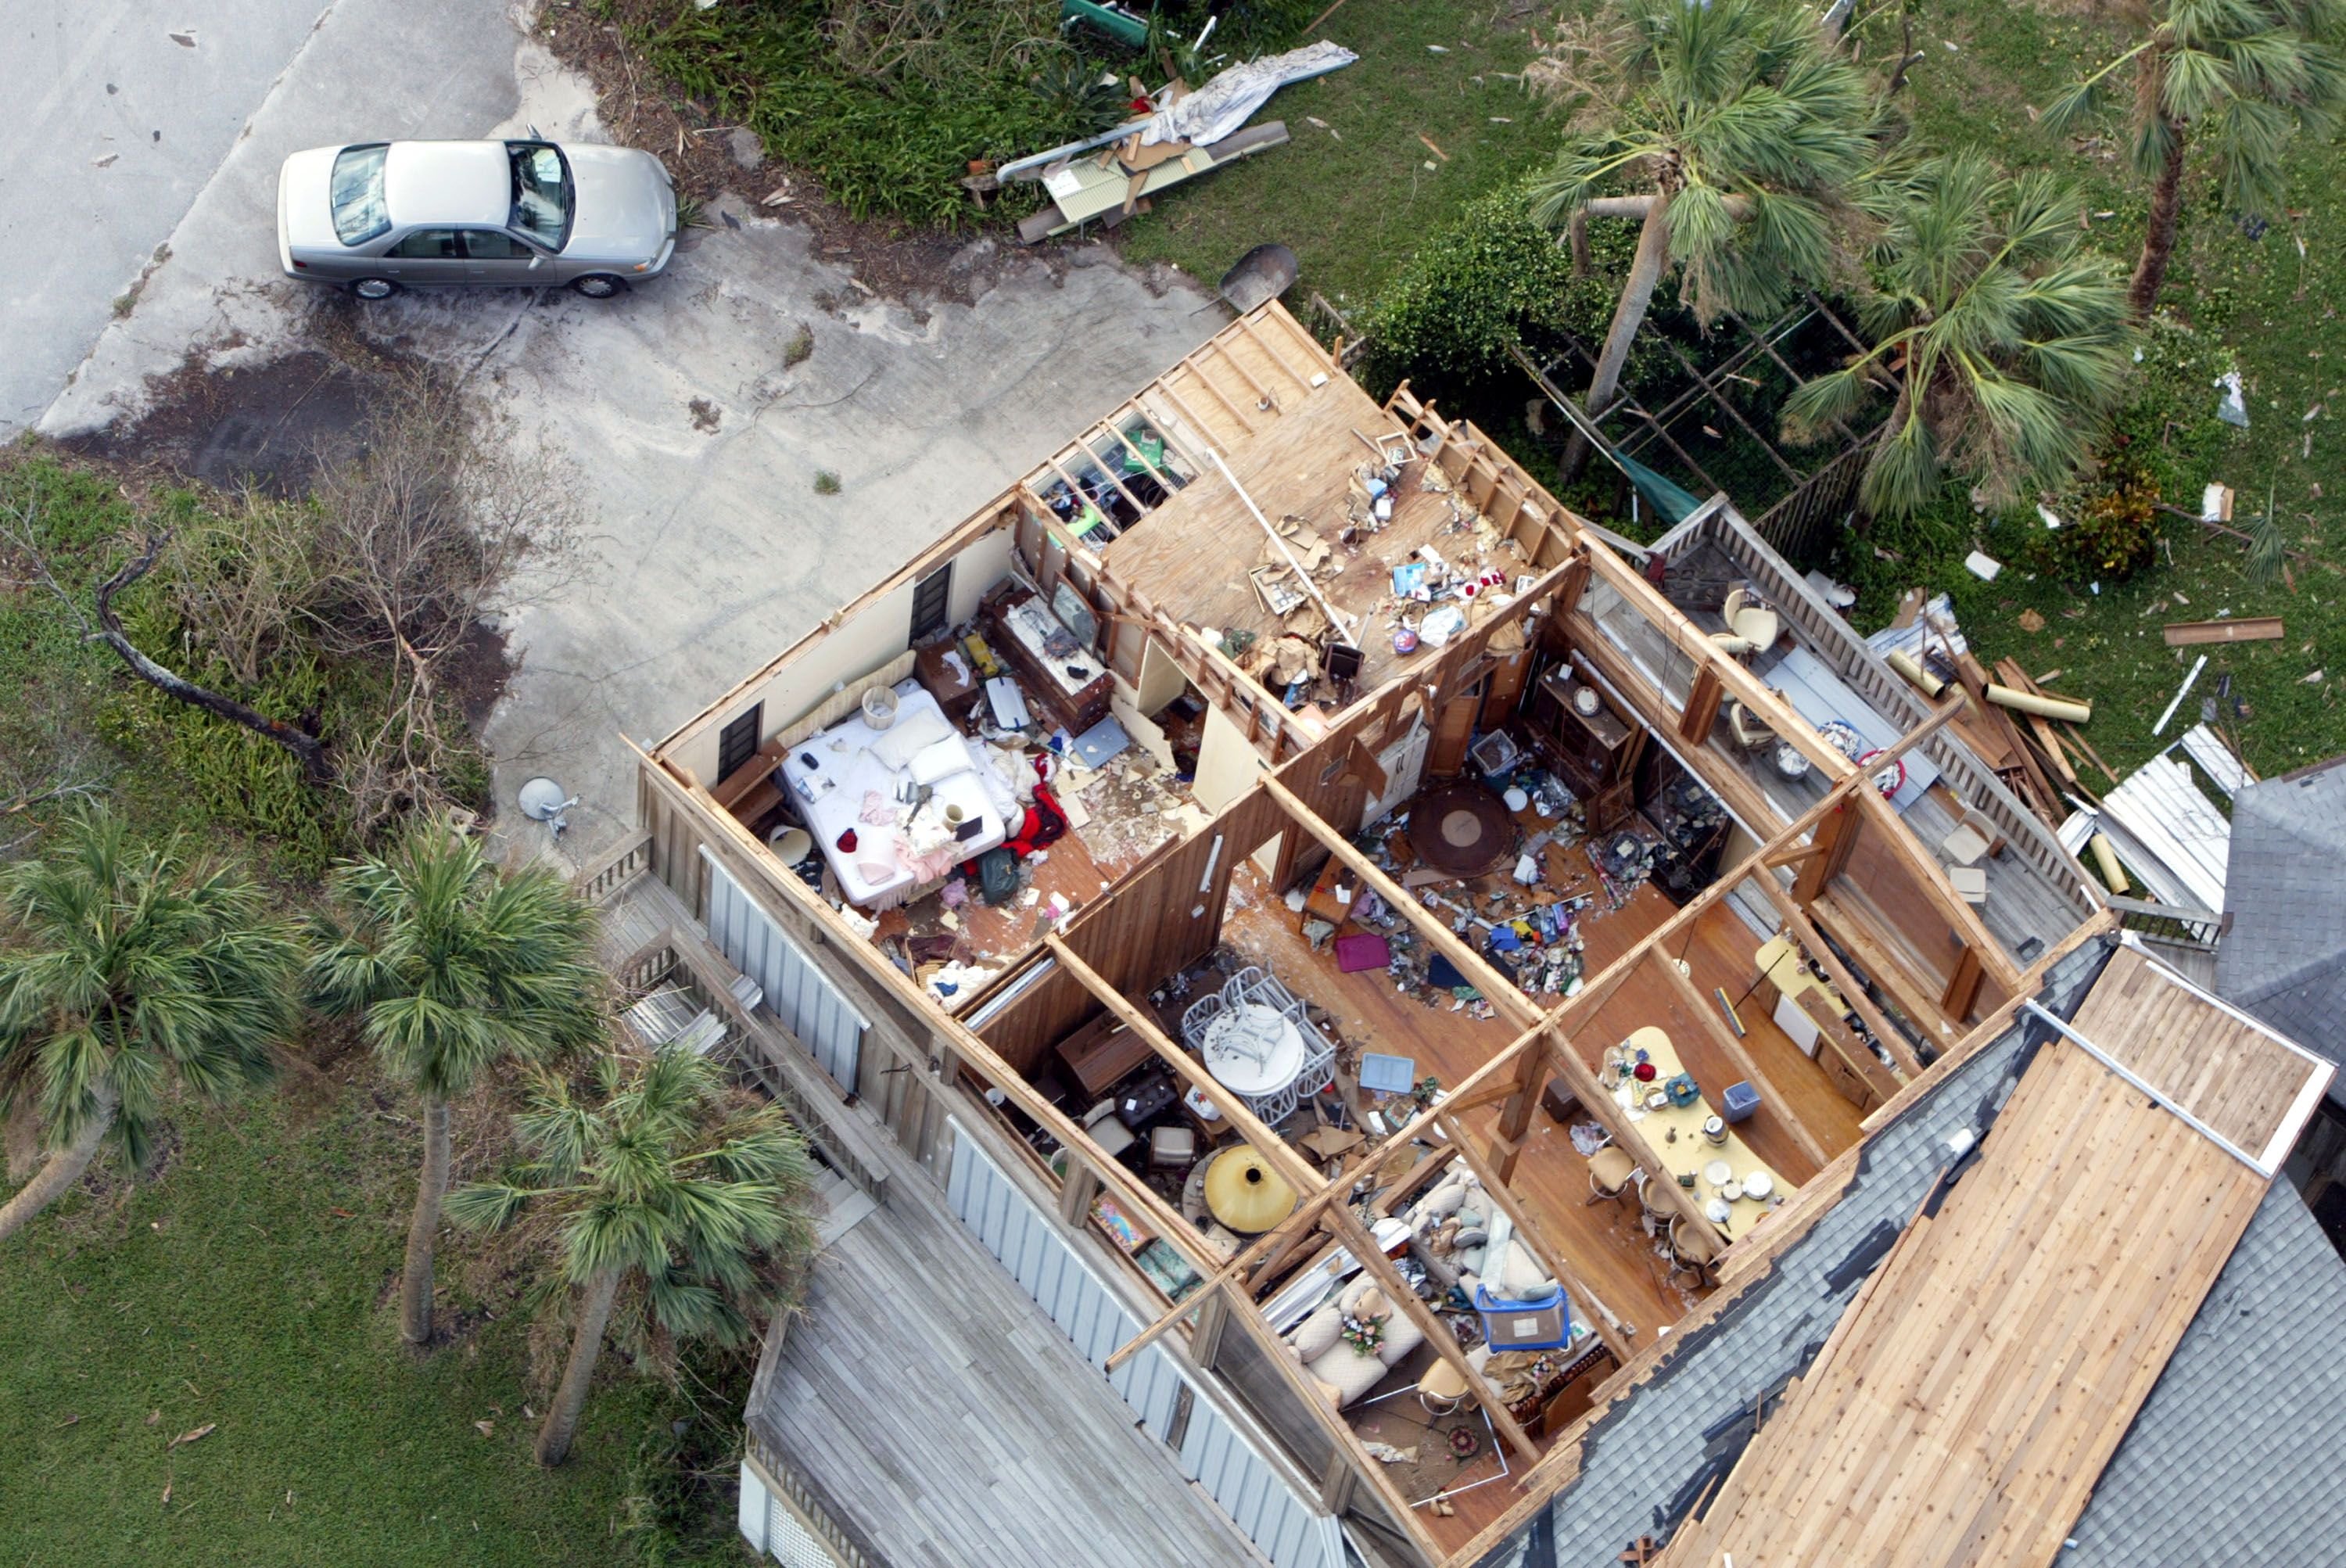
(653, 1179)
(2001, 345)
(1747, 132)
(453, 969)
(2245, 75)
(130, 971)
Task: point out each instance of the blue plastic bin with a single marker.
(1741, 1100)
(1541, 1324)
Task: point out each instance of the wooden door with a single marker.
(1510, 673)
(1454, 731)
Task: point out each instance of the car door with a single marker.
(422, 256)
(494, 256)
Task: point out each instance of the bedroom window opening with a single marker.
(739, 742)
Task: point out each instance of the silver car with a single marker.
(380, 216)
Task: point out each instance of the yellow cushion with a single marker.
(1612, 1167)
(1443, 1381)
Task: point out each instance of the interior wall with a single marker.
(828, 660)
(1227, 763)
(1161, 679)
(1164, 916)
(984, 563)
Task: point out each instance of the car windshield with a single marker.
(359, 214)
(541, 192)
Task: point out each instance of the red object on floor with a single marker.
(1360, 950)
(1044, 824)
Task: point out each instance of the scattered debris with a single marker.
(1983, 566)
(2232, 408)
(198, 1435)
(2197, 665)
(2246, 629)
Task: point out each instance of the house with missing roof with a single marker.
(1351, 1016)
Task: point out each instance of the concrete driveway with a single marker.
(693, 447)
(118, 112)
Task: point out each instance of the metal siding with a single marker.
(808, 1005)
(1242, 1483)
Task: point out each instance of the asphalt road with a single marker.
(113, 126)
(691, 446)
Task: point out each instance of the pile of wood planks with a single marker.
(2037, 758)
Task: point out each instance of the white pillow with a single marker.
(1318, 1334)
(911, 734)
(940, 759)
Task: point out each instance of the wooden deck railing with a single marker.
(762, 1048)
(805, 1508)
(600, 879)
(2177, 923)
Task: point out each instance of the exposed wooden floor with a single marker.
(947, 1421)
(1605, 1244)
(1191, 555)
(1968, 1400)
(2022, 905)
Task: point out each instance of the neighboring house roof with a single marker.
(2236, 1447)
(2284, 957)
(2234, 1457)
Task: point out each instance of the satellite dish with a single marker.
(542, 801)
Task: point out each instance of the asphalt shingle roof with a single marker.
(2235, 1457)
(2284, 958)
(2240, 1453)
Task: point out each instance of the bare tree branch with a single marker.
(309, 748)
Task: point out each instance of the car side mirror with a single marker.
(536, 263)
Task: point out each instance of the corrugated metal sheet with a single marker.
(1291, 1532)
(2216, 760)
(2160, 806)
(807, 1004)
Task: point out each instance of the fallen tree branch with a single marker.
(308, 747)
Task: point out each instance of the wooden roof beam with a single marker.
(1812, 941)
(1691, 640)
(1277, 1351)
(1292, 1166)
(1537, 1241)
(1704, 1008)
(1438, 1336)
(1928, 871)
(1303, 1218)
(726, 834)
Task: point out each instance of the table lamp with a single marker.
(1245, 1193)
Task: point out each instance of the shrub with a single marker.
(1476, 285)
(2113, 533)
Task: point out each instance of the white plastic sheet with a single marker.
(1227, 102)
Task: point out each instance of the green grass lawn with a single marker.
(252, 1290)
(1353, 196)
(2265, 306)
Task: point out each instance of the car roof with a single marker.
(452, 183)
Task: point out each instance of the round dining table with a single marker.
(1251, 1049)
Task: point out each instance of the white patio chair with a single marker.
(1200, 1013)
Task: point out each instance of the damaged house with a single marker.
(1353, 1018)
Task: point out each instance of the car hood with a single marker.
(305, 207)
(624, 210)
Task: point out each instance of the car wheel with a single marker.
(600, 285)
(374, 288)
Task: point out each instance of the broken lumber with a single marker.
(2246, 629)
